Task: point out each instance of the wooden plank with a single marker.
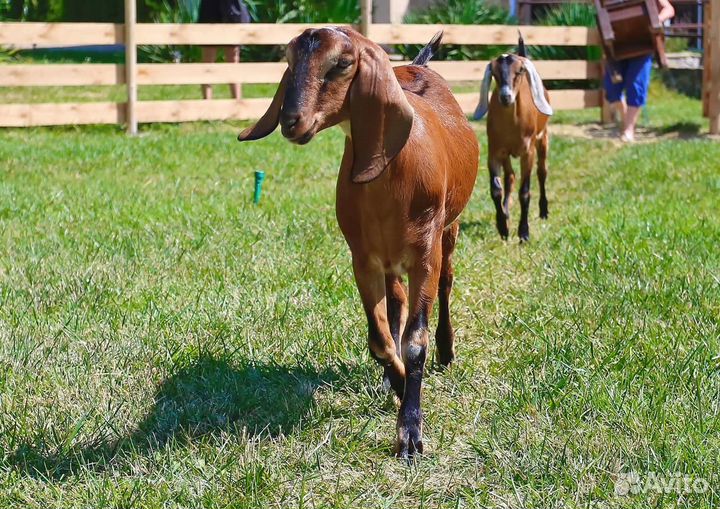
(197, 74)
(219, 34)
(43, 114)
(69, 34)
(559, 99)
(40, 114)
(275, 33)
(41, 35)
(271, 72)
(548, 69)
(45, 75)
(131, 66)
(186, 111)
(714, 77)
(247, 72)
(485, 34)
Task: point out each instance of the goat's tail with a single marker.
(521, 45)
(429, 50)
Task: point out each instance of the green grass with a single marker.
(165, 343)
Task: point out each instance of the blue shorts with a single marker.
(636, 79)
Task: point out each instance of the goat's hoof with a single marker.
(409, 434)
(543, 210)
(524, 237)
(501, 223)
(410, 446)
(444, 359)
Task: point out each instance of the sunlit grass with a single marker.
(165, 343)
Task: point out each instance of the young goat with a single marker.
(408, 170)
(517, 126)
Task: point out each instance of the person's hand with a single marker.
(666, 12)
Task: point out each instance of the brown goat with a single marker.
(408, 170)
(517, 126)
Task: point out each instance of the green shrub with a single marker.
(30, 10)
(167, 11)
(568, 15)
(459, 12)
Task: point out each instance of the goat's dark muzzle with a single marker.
(506, 96)
(295, 126)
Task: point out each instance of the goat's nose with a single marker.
(289, 119)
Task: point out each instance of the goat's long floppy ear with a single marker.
(537, 89)
(380, 116)
(482, 106)
(269, 121)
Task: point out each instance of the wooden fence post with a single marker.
(605, 112)
(131, 66)
(712, 59)
(365, 16)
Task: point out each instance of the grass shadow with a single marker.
(209, 396)
(684, 129)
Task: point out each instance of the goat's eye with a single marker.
(344, 63)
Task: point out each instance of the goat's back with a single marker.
(443, 150)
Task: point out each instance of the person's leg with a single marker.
(613, 92)
(232, 55)
(631, 117)
(209, 54)
(618, 110)
(637, 80)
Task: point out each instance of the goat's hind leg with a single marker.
(397, 312)
(508, 185)
(526, 162)
(444, 334)
(371, 285)
(496, 192)
(542, 150)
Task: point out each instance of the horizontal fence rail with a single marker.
(44, 114)
(39, 35)
(43, 75)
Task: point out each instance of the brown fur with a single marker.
(408, 170)
(516, 130)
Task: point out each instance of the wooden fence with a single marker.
(133, 74)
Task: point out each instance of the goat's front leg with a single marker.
(371, 285)
(495, 166)
(526, 163)
(424, 277)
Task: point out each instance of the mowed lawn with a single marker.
(166, 343)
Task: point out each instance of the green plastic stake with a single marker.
(259, 177)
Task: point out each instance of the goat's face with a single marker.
(334, 75)
(511, 72)
(508, 71)
(321, 67)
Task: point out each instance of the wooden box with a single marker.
(631, 28)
